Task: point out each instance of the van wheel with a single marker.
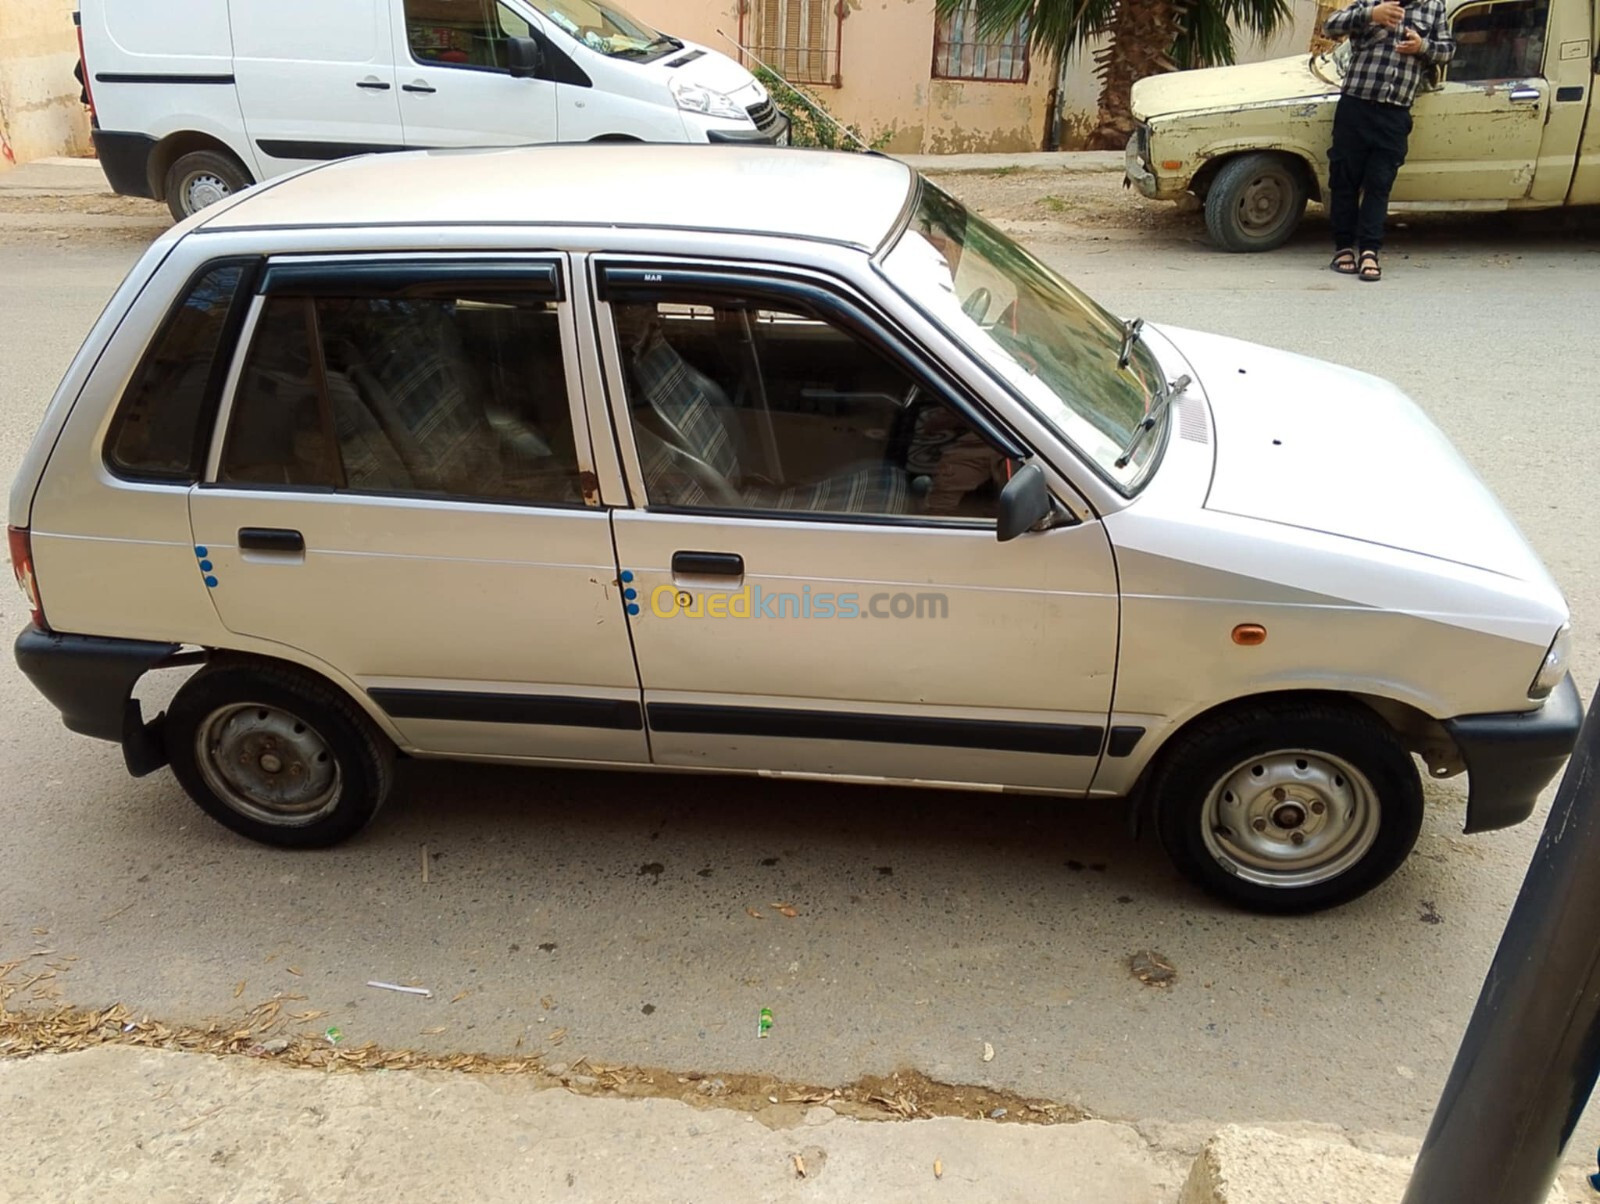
(1290, 807)
(203, 178)
(1255, 202)
(277, 754)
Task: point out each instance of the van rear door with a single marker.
(316, 80)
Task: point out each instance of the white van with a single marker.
(196, 99)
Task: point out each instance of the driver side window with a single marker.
(743, 406)
(1500, 41)
(461, 33)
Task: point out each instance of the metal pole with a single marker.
(1531, 1053)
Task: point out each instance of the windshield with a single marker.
(607, 28)
(1055, 347)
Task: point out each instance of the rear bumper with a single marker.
(1512, 757)
(90, 680)
(125, 158)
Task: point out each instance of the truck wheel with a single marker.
(277, 754)
(203, 178)
(1288, 807)
(1255, 202)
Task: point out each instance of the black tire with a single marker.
(295, 734)
(1269, 767)
(1255, 202)
(201, 174)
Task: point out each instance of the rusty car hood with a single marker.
(1214, 88)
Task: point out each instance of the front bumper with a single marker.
(1511, 757)
(776, 134)
(90, 680)
(1137, 173)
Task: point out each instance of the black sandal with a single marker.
(1370, 271)
(1344, 261)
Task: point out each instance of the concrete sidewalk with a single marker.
(117, 1123)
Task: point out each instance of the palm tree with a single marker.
(1143, 37)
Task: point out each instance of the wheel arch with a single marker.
(1217, 159)
(174, 146)
(1418, 731)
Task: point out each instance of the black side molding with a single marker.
(286, 149)
(1511, 757)
(1060, 739)
(1123, 741)
(114, 77)
(471, 706)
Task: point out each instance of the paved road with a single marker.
(928, 923)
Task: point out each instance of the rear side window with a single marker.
(443, 389)
(163, 423)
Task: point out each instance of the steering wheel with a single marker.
(976, 306)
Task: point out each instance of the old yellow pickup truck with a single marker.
(1507, 125)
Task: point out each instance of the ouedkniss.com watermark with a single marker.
(753, 602)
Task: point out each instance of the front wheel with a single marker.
(1288, 808)
(1255, 202)
(201, 179)
(277, 754)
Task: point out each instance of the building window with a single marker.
(799, 39)
(960, 51)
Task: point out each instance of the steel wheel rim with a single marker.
(1264, 202)
(202, 189)
(267, 764)
(1290, 818)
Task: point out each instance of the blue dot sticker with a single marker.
(633, 608)
(205, 566)
(211, 583)
(630, 594)
(201, 553)
(626, 576)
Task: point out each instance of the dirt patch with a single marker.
(103, 204)
(1072, 200)
(268, 1031)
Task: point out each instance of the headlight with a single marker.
(697, 99)
(1555, 664)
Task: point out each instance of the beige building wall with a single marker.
(887, 85)
(39, 110)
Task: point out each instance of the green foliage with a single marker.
(809, 118)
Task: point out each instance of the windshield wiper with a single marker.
(1130, 336)
(1148, 422)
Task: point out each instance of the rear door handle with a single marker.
(707, 564)
(1522, 96)
(271, 539)
(376, 85)
(425, 88)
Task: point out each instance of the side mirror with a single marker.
(1025, 503)
(525, 57)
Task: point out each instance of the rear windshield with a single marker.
(163, 424)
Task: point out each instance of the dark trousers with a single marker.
(1369, 145)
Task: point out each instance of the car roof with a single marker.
(839, 197)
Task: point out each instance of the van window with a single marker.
(441, 391)
(159, 432)
(461, 33)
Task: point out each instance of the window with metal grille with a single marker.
(960, 51)
(799, 39)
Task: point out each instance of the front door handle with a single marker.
(375, 85)
(425, 88)
(271, 539)
(707, 564)
(1523, 96)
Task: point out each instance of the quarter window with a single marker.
(1500, 41)
(157, 431)
(741, 406)
(439, 391)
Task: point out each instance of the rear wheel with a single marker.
(202, 178)
(1255, 202)
(1288, 807)
(277, 754)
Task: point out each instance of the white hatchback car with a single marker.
(759, 461)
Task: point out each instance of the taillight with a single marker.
(83, 65)
(22, 566)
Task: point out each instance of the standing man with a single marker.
(1392, 47)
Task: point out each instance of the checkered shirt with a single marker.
(1377, 70)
